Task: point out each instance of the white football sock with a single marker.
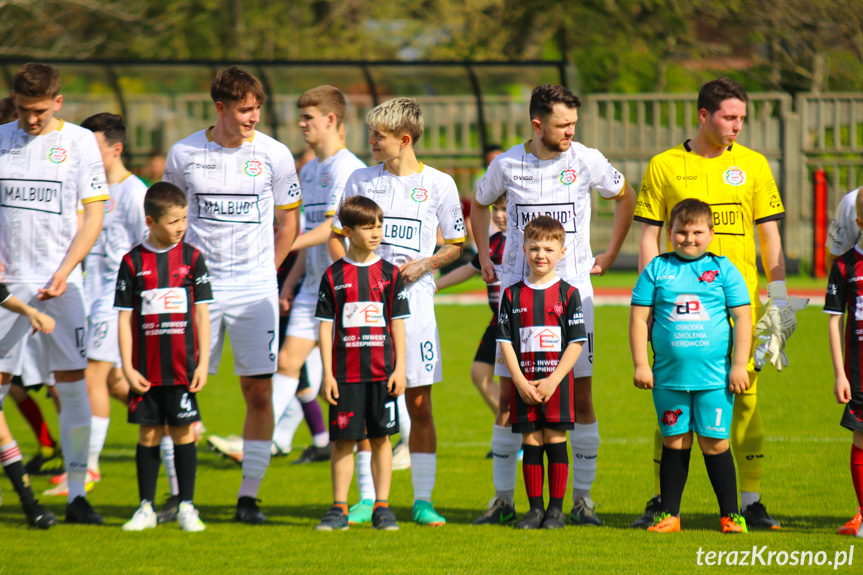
(584, 440)
(504, 446)
(747, 498)
(75, 433)
(98, 433)
(256, 459)
(404, 420)
(423, 471)
(286, 426)
(315, 369)
(284, 389)
(166, 448)
(365, 480)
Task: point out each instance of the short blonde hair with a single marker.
(398, 116)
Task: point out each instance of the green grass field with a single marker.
(806, 486)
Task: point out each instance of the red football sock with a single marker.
(857, 472)
(31, 412)
(532, 469)
(558, 473)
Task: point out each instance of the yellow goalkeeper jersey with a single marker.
(739, 187)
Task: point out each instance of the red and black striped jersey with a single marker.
(540, 322)
(496, 244)
(845, 295)
(162, 288)
(362, 300)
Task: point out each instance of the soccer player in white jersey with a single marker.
(48, 166)
(416, 200)
(237, 180)
(322, 116)
(123, 227)
(551, 175)
(844, 232)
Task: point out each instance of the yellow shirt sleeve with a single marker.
(650, 207)
(766, 203)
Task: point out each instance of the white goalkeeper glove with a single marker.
(776, 326)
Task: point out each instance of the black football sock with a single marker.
(720, 469)
(186, 458)
(20, 482)
(532, 469)
(673, 472)
(148, 462)
(558, 474)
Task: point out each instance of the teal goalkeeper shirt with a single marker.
(692, 336)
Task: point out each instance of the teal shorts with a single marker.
(706, 412)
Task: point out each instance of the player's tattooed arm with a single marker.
(447, 254)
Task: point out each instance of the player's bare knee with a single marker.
(150, 435)
(712, 445)
(258, 393)
(857, 439)
(343, 447)
(379, 443)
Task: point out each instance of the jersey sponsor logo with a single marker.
(204, 279)
(294, 190)
(229, 208)
(455, 212)
(687, 178)
(58, 155)
(728, 219)
(363, 314)
(688, 307)
(831, 289)
(734, 176)
(670, 417)
(522, 178)
(615, 176)
(403, 233)
(503, 317)
(540, 338)
(709, 276)
(164, 300)
(459, 225)
(98, 180)
(568, 177)
(564, 213)
(858, 312)
(40, 195)
(314, 214)
(253, 168)
(419, 194)
(121, 285)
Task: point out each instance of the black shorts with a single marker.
(852, 417)
(364, 410)
(558, 414)
(487, 350)
(531, 426)
(171, 404)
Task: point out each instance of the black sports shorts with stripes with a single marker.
(363, 410)
(171, 404)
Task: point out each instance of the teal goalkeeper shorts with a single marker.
(706, 412)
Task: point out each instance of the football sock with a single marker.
(747, 498)
(147, 461)
(720, 469)
(166, 447)
(533, 471)
(186, 456)
(365, 480)
(286, 426)
(75, 433)
(10, 457)
(404, 420)
(857, 472)
(341, 505)
(381, 503)
(315, 419)
(284, 389)
(315, 369)
(672, 474)
(747, 441)
(504, 446)
(558, 469)
(256, 459)
(31, 412)
(584, 440)
(423, 472)
(98, 433)
(657, 458)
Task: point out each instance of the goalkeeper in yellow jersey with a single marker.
(742, 193)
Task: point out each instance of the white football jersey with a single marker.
(123, 228)
(843, 232)
(414, 207)
(559, 188)
(42, 179)
(323, 184)
(233, 193)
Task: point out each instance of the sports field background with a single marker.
(806, 485)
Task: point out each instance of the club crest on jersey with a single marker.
(568, 177)
(110, 204)
(182, 271)
(671, 417)
(688, 307)
(419, 194)
(709, 276)
(325, 180)
(343, 419)
(381, 285)
(734, 176)
(253, 168)
(556, 309)
(58, 155)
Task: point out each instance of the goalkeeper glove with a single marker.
(776, 326)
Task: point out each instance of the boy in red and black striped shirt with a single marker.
(541, 333)
(362, 304)
(164, 329)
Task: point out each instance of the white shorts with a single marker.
(584, 364)
(64, 347)
(302, 323)
(251, 320)
(35, 370)
(102, 340)
(424, 365)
